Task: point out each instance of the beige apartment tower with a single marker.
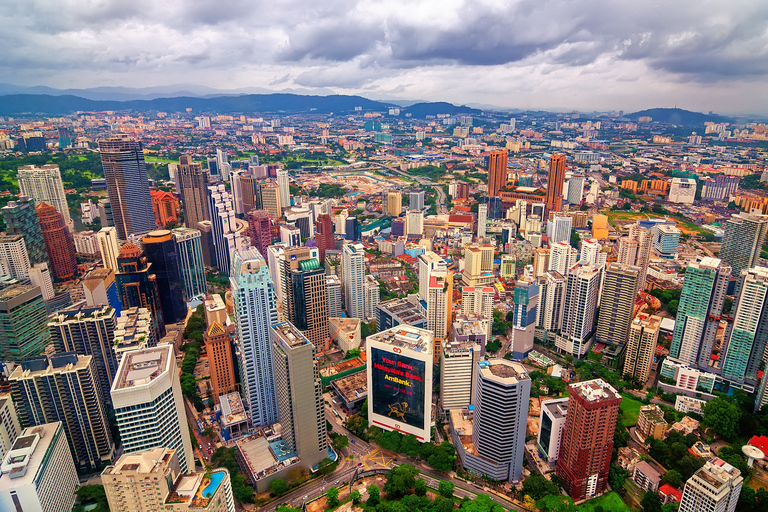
(641, 346)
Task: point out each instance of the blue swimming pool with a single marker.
(216, 479)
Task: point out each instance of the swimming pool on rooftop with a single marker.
(216, 479)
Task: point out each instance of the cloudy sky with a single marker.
(580, 54)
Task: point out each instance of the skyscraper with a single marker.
(502, 393)
(621, 285)
(308, 302)
(641, 347)
(225, 237)
(416, 200)
(745, 235)
(429, 262)
(58, 242)
(146, 394)
(749, 336)
(575, 189)
(162, 254)
(560, 229)
(193, 180)
(39, 473)
(127, 185)
(43, 184)
(9, 424)
(260, 230)
(137, 285)
(526, 302)
(21, 219)
(581, 294)
(439, 306)
(23, 319)
(88, 331)
(562, 256)
(299, 394)
(284, 185)
(394, 203)
(699, 310)
(13, 256)
(100, 288)
(65, 388)
(635, 249)
(714, 487)
(324, 234)
(555, 180)
(497, 172)
(372, 294)
(269, 194)
(552, 301)
(255, 311)
(218, 341)
(333, 287)
(191, 265)
(587, 443)
(109, 247)
(482, 219)
(353, 274)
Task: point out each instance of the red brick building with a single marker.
(58, 242)
(165, 206)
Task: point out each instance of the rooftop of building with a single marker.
(264, 455)
(653, 414)
(470, 325)
(15, 291)
(232, 410)
(290, 334)
(557, 408)
(144, 462)
(503, 370)
(595, 390)
(717, 473)
(42, 365)
(28, 453)
(352, 387)
(406, 336)
(348, 326)
(141, 367)
(78, 312)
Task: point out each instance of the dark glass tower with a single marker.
(137, 285)
(162, 253)
(21, 219)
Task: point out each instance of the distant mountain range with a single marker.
(679, 116)
(18, 104)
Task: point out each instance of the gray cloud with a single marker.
(549, 52)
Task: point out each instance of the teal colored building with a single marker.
(749, 335)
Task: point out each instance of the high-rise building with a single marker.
(562, 256)
(416, 200)
(555, 181)
(394, 203)
(478, 265)
(308, 301)
(482, 220)
(551, 427)
(429, 262)
(497, 172)
(137, 285)
(23, 319)
(290, 235)
(260, 230)
(105, 213)
(88, 331)
(440, 307)
(582, 290)
(745, 235)
(218, 340)
(133, 331)
(575, 189)
(353, 275)
(9, 424)
(526, 302)
(284, 185)
(146, 394)
(458, 362)
(65, 388)
(162, 254)
(372, 294)
(621, 284)
(333, 287)
(58, 242)
(719, 188)
(43, 184)
(587, 443)
(152, 480)
(299, 394)
(40, 275)
(665, 240)
(100, 289)
(165, 207)
(226, 239)
(39, 473)
(14, 259)
(641, 347)
(749, 335)
(400, 367)
(324, 234)
(189, 250)
(714, 487)
(477, 300)
(255, 311)
(560, 231)
(682, 191)
(269, 194)
(122, 158)
(21, 219)
(699, 311)
(109, 247)
(193, 181)
(502, 393)
(414, 222)
(549, 315)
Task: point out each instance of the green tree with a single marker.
(616, 475)
(445, 489)
(444, 457)
(278, 487)
(420, 488)
(651, 502)
(556, 503)
(93, 495)
(374, 496)
(723, 416)
(340, 441)
(355, 496)
(536, 486)
(673, 478)
(400, 481)
(332, 497)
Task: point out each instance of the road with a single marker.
(442, 209)
(200, 439)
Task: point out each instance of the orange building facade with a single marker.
(165, 206)
(58, 242)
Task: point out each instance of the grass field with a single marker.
(610, 501)
(158, 160)
(622, 216)
(630, 409)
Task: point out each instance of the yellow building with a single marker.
(651, 422)
(600, 227)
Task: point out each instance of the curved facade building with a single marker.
(58, 242)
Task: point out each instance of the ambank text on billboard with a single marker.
(398, 387)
